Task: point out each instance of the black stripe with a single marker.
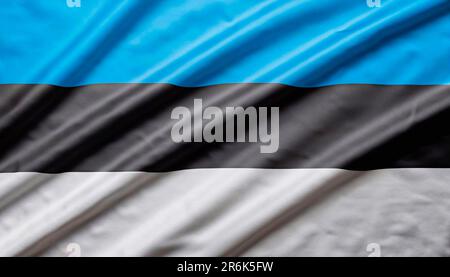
(126, 127)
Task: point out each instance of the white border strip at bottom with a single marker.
(211, 212)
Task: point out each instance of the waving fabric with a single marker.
(209, 128)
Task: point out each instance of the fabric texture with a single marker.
(224, 128)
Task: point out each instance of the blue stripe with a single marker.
(204, 42)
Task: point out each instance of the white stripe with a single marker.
(210, 212)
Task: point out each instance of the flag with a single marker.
(236, 128)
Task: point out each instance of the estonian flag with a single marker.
(209, 128)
